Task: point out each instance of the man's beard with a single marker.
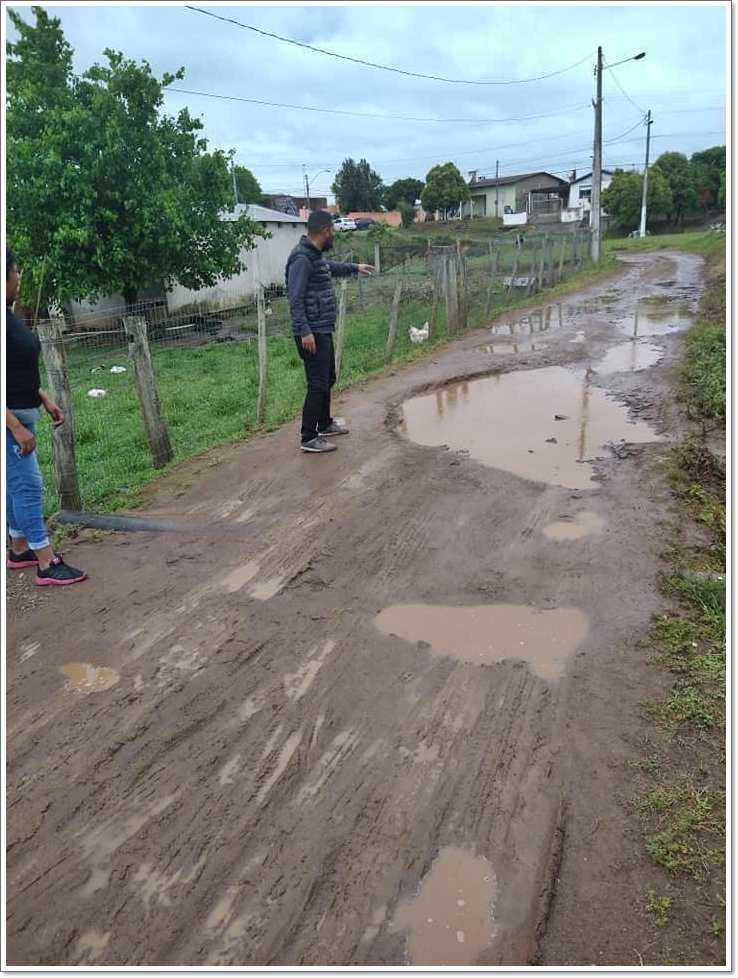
(327, 244)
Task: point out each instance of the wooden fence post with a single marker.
(514, 272)
(62, 438)
(341, 325)
(452, 294)
(461, 302)
(561, 257)
(377, 263)
(262, 344)
(156, 432)
(394, 315)
(493, 274)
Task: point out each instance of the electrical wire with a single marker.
(376, 115)
(371, 64)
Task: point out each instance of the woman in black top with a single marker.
(29, 541)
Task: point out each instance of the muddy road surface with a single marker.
(372, 708)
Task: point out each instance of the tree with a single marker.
(681, 176)
(407, 213)
(104, 193)
(444, 188)
(357, 187)
(709, 165)
(247, 186)
(408, 190)
(623, 198)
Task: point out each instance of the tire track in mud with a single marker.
(272, 777)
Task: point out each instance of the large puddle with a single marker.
(488, 634)
(545, 425)
(451, 919)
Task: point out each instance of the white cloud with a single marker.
(682, 81)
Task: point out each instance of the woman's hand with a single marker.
(52, 409)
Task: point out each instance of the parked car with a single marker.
(344, 224)
(362, 223)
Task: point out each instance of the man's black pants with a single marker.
(320, 374)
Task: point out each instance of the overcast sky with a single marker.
(482, 85)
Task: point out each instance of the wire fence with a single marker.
(144, 387)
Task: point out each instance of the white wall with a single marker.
(265, 266)
(513, 220)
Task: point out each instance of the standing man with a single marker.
(312, 298)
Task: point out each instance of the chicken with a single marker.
(419, 335)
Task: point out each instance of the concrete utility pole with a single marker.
(307, 188)
(595, 211)
(497, 187)
(645, 175)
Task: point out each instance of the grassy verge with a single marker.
(680, 787)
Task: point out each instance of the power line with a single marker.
(376, 115)
(371, 64)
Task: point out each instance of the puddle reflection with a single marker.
(656, 316)
(545, 425)
(629, 358)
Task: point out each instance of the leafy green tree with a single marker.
(681, 176)
(104, 193)
(247, 186)
(408, 190)
(357, 187)
(623, 197)
(658, 193)
(709, 164)
(721, 191)
(444, 188)
(407, 213)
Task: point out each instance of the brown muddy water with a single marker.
(545, 425)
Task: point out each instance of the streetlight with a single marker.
(649, 122)
(597, 161)
(308, 182)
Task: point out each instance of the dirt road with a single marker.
(372, 708)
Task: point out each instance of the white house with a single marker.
(580, 195)
(264, 265)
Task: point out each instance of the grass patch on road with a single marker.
(680, 798)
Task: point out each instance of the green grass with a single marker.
(679, 797)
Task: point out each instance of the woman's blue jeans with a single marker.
(24, 487)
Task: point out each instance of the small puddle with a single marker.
(629, 357)
(84, 678)
(488, 634)
(579, 526)
(545, 425)
(656, 316)
(240, 576)
(527, 347)
(450, 921)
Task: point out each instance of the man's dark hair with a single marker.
(10, 260)
(319, 221)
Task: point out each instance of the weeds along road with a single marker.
(379, 711)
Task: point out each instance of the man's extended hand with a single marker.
(366, 269)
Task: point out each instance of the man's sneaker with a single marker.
(317, 445)
(59, 573)
(27, 559)
(334, 428)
